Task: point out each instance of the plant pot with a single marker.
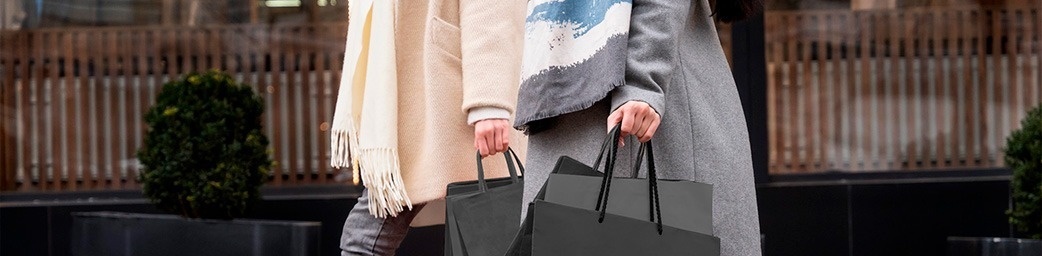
(127, 234)
(993, 246)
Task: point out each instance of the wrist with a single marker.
(486, 113)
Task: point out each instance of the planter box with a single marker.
(993, 246)
(131, 234)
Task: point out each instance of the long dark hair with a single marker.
(736, 10)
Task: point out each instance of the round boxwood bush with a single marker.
(1024, 156)
(205, 155)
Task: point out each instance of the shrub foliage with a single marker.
(1024, 156)
(205, 154)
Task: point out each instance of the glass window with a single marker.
(77, 76)
(890, 85)
(106, 13)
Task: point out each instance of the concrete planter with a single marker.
(132, 234)
(993, 246)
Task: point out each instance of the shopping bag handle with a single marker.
(604, 146)
(645, 148)
(609, 165)
(616, 131)
(655, 205)
(510, 168)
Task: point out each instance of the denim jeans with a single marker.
(365, 234)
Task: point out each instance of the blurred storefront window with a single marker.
(892, 85)
(32, 14)
(852, 85)
(77, 75)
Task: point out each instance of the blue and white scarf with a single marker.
(574, 55)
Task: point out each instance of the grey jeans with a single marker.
(365, 234)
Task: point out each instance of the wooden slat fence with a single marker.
(853, 91)
(73, 98)
(895, 90)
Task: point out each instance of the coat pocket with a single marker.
(445, 36)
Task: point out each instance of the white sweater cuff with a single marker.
(485, 113)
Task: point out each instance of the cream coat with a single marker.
(452, 56)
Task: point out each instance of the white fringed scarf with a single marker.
(369, 97)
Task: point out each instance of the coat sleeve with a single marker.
(491, 36)
(651, 60)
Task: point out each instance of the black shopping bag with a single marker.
(565, 230)
(481, 216)
(558, 223)
(685, 205)
(560, 229)
(521, 244)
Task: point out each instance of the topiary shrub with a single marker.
(1024, 156)
(205, 155)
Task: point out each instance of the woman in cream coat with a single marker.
(450, 89)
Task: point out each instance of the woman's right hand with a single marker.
(492, 136)
(637, 118)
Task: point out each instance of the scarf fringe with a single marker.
(379, 169)
(383, 181)
(344, 146)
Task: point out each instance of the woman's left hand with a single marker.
(638, 119)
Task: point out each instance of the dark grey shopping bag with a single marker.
(565, 230)
(559, 222)
(685, 205)
(521, 244)
(481, 216)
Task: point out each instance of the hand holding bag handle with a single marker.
(481, 215)
(510, 168)
(602, 197)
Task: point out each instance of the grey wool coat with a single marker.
(676, 64)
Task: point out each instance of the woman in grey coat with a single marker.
(677, 88)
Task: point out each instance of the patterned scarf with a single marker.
(575, 54)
